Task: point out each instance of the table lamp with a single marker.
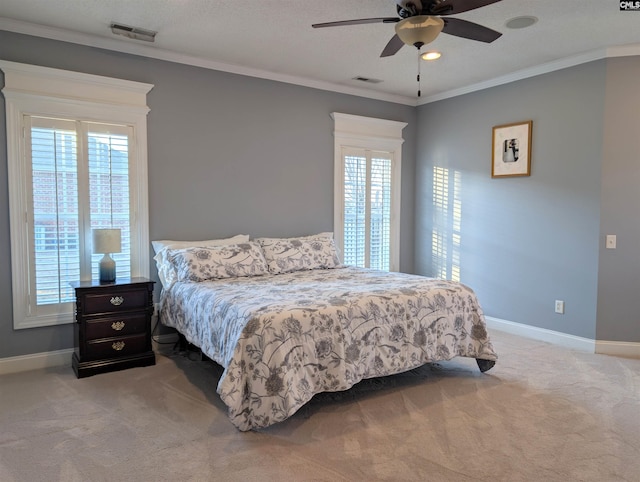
(107, 241)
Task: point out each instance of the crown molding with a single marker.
(621, 51)
(152, 51)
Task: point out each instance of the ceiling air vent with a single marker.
(367, 80)
(135, 33)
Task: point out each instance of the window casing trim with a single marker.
(41, 91)
(368, 133)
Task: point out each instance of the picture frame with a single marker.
(511, 150)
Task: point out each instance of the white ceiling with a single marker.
(274, 39)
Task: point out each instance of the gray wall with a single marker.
(227, 154)
(619, 269)
(528, 241)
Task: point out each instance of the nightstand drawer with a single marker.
(115, 326)
(116, 347)
(115, 301)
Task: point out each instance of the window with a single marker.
(367, 190)
(76, 148)
(57, 186)
(367, 208)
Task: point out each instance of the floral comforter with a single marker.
(283, 338)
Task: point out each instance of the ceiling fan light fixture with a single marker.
(431, 55)
(419, 30)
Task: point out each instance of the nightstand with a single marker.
(113, 326)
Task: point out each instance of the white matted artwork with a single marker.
(511, 150)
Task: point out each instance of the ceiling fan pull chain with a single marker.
(419, 84)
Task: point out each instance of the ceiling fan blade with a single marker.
(451, 7)
(358, 21)
(392, 47)
(470, 30)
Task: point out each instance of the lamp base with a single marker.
(107, 269)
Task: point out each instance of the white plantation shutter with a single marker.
(367, 208)
(55, 222)
(380, 194)
(108, 160)
(355, 209)
(80, 181)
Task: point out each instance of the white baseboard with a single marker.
(542, 334)
(50, 359)
(15, 364)
(622, 349)
(613, 348)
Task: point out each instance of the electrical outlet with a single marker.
(560, 307)
(611, 241)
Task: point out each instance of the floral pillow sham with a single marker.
(296, 254)
(216, 262)
(166, 270)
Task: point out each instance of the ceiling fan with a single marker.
(420, 21)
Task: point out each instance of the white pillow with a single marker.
(284, 255)
(217, 262)
(166, 271)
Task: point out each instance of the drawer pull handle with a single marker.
(117, 300)
(117, 325)
(117, 345)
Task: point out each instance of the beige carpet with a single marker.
(543, 413)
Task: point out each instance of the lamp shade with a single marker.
(107, 241)
(419, 29)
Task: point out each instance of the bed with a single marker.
(286, 330)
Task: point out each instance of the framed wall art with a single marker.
(511, 150)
